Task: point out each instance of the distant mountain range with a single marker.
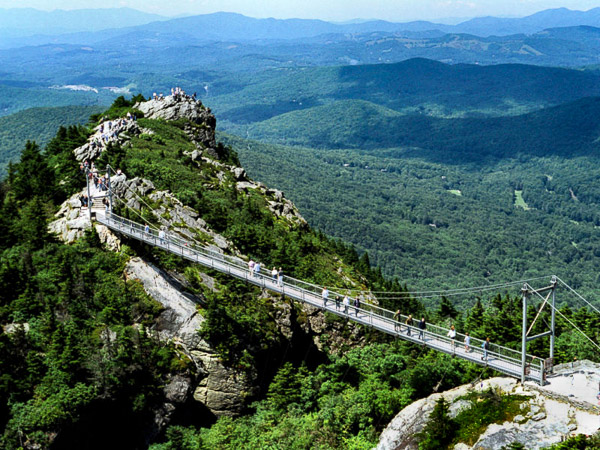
(23, 22)
(20, 27)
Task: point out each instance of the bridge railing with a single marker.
(372, 314)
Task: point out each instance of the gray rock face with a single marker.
(172, 109)
(221, 389)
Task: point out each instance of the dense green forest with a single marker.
(37, 124)
(441, 225)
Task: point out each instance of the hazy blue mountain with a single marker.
(20, 22)
(550, 18)
(93, 26)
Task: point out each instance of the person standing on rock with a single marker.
(325, 296)
(422, 328)
(251, 264)
(280, 277)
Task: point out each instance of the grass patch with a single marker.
(519, 202)
(455, 192)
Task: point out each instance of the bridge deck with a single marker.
(502, 359)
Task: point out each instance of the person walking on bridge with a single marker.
(280, 277)
(325, 296)
(452, 335)
(486, 347)
(356, 305)
(397, 320)
(257, 269)
(346, 304)
(467, 343)
(408, 324)
(422, 328)
(274, 274)
(251, 264)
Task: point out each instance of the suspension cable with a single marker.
(571, 323)
(577, 294)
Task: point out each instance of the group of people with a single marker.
(177, 93)
(162, 236)
(254, 270)
(101, 183)
(109, 131)
(339, 302)
(422, 326)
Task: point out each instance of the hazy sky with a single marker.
(395, 10)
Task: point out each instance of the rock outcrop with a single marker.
(223, 390)
(543, 422)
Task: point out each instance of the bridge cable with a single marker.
(578, 295)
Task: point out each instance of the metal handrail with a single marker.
(367, 313)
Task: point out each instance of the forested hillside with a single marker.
(445, 216)
(36, 124)
(567, 130)
(414, 86)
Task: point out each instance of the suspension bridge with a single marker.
(518, 364)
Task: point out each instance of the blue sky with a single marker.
(337, 10)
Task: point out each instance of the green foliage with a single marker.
(440, 429)
(487, 407)
(343, 404)
(579, 442)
